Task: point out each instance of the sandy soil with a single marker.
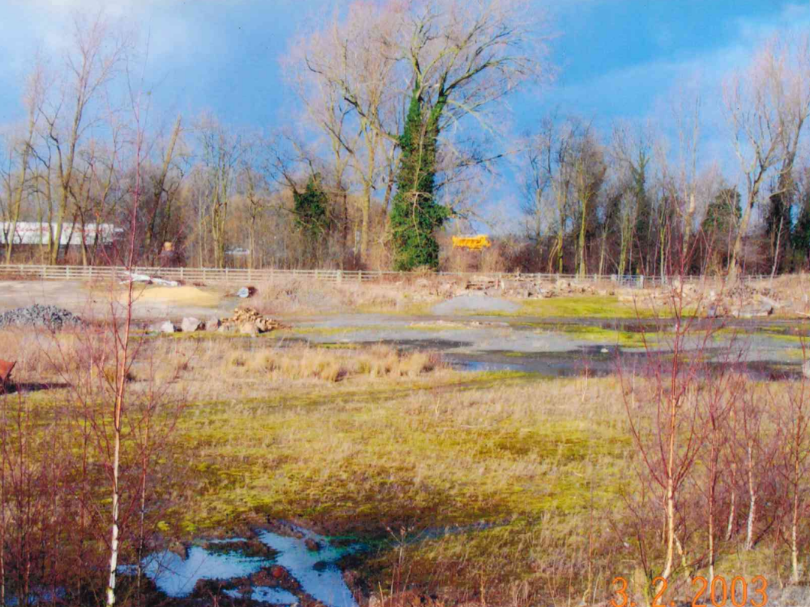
(152, 303)
(475, 302)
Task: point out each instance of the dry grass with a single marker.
(305, 362)
(393, 448)
(292, 296)
(40, 355)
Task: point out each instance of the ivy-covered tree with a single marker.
(723, 212)
(720, 225)
(460, 58)
(416, 215)
(644, 212)
(777, 227)
(312, 214)
(800, 237)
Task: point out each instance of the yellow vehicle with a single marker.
(473, 243)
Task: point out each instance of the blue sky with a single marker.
(617, 59)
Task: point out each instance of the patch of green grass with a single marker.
(587, 306)
(601, 335)
(424, 452)
(779, 333)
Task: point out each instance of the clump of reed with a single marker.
(330, 365)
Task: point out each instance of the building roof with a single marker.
(35, 233)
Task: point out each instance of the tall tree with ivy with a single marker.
(459, 59)
(416, 215)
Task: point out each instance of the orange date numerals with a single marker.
(621, 592)
(719, 593)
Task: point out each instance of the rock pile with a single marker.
(249, 321)
(49, 317)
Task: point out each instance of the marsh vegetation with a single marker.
(485, 487)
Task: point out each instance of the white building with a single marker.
(34, 233)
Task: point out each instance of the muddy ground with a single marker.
(485, 333)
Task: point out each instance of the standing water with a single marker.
(316, 571)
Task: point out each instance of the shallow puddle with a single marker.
(176, 576)
(316, 571)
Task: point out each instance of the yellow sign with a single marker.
(474, 243)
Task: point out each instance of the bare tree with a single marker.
(688, 119)
(768, 106)
(21, 149)
(793, 423)
(669, 438)
(160, 194)
(351, 54)
(589, 174)
(550, 180)
(93, 62)
(221, 151)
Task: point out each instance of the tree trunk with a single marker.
(752, 501)
(367, 184)
(582, 228)
(794, 543)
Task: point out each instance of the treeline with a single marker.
(395, 144)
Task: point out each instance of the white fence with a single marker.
(244, 276)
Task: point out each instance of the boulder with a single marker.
(190, 324)
(212, 324)
(249, 328)
(166, 327)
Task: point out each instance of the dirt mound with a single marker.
(187, 295)
(475, 302)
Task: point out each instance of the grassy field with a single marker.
(496, 487)
(512, 462)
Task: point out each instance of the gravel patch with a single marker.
(50, 317)
(475, 303)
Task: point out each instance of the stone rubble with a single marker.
(50, 317)
(244, 318)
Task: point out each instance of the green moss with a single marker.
(368, 458)
(581, 307)
(407, 307)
